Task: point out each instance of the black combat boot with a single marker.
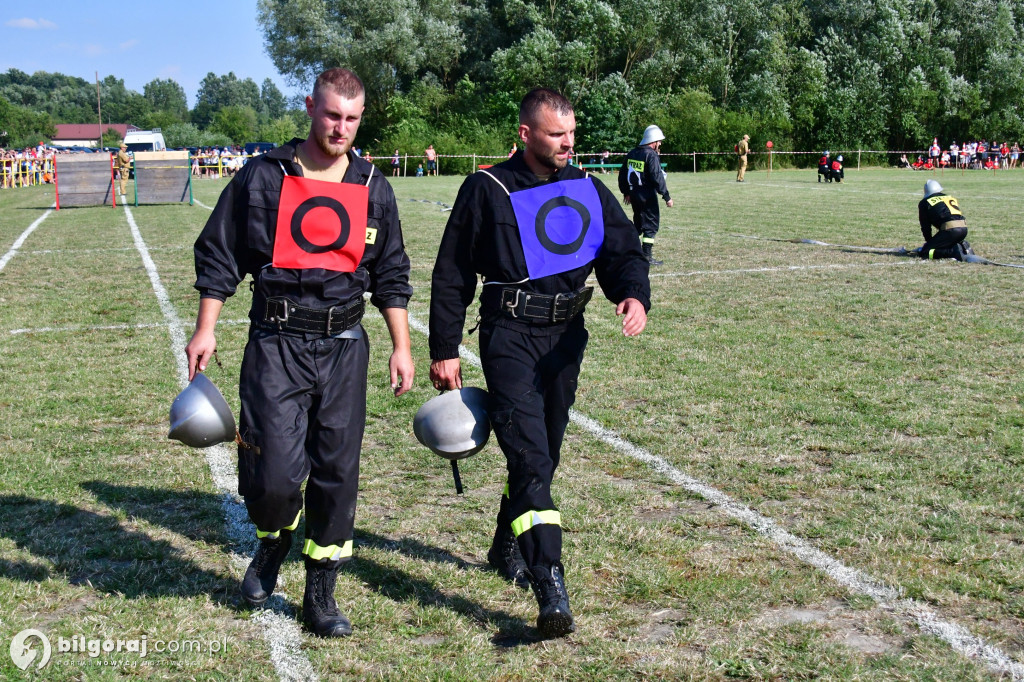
(261, 576)
(649, 252)
(555, 619)
(506, 558)
(320, 612)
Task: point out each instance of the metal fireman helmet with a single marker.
(652, 134)
(932, 187)
(454, 424)
(200, 417)
(839, 158)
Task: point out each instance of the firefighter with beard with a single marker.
(316, 227)
(641, 180)
(535, 228)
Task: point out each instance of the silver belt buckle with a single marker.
(514, 304)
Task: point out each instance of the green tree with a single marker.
(278, 130)
(22, 127)
(166, 96)
(273, 102)
(238, 123)
(218, 92)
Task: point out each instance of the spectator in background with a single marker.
(944, 160)
(124, 164)
(395, 163)
(605, 160)
(431, 155)
(954, 153)
(419, 171)
(1004, 155)
(1014, 155)
(919, 164)
(903, 162)
(934, 152)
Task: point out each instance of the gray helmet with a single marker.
(200, 417)
(454, 424)
(652, 134)
(932, 187)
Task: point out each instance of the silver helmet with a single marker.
(652, 134)
(200, 417)
(932, 187)
(454, 425)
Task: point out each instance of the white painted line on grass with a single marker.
(782, 268)
(36, 252)
(279, 629)
(196, 201)
(959, 638)
(21, 239)
(112, 327)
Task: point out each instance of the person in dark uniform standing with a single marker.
(941, 211)
(316, 227)
(534, 228)
(641, 180)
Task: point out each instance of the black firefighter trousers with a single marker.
(646, 215)
(531, 375)
(304, 407)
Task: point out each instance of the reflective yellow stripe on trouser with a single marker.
(536, 518)
(931, 254)
(332, 552)
(273, 535)
(646, 240)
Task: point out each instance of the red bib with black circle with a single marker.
(320, 225)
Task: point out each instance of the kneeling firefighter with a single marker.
(942, 211)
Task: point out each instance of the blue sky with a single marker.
(137, 41)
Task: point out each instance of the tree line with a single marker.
(228, 110)
(807, 74)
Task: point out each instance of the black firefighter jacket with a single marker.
(238, 240)
(482, 237)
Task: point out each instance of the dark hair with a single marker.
(342, 81)
(542, 97)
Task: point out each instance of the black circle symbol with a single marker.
(320, 202)
(542, 230)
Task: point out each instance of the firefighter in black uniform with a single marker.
(824, 167)
(942, 211)
(641, 180)
(534, 228)
(316, 227)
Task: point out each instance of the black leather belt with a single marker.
(289, 316)
(533, 307)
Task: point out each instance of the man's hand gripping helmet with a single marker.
(200, 417)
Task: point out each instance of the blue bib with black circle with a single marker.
(561, 226)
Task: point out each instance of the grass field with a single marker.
(839, 485)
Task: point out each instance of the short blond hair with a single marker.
(341, 81)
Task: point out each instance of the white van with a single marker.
(145, 141)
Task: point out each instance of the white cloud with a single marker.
(31, 24)
(128, 44)
(94, 50)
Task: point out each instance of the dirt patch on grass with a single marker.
(852, 628)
